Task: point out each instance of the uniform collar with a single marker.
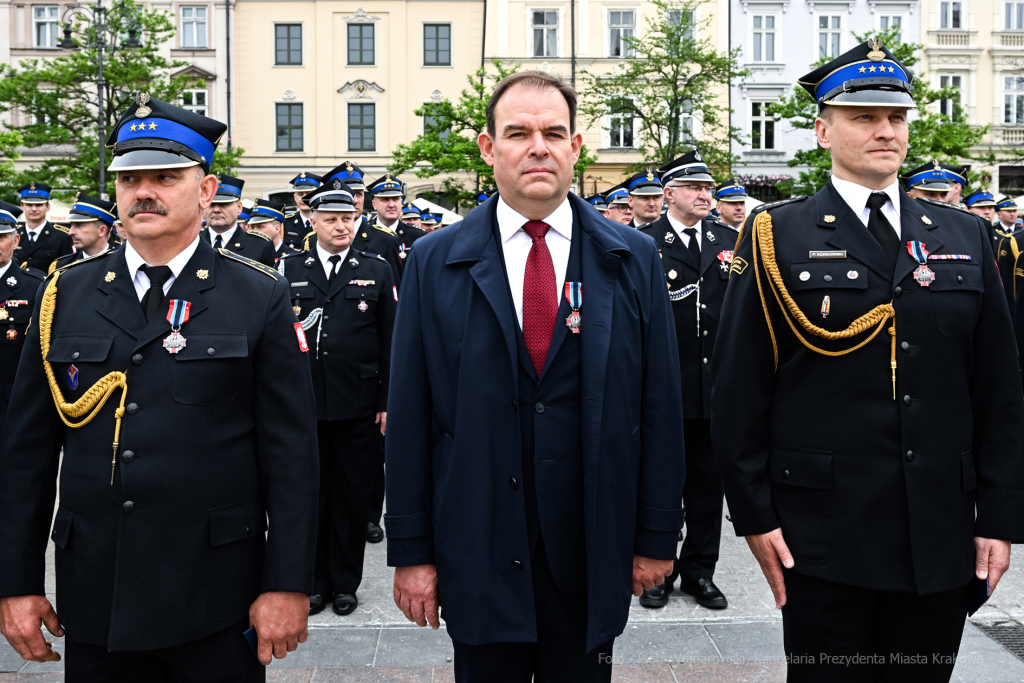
(856, 196)
(225, 236)
(176, 264)
(325, 255)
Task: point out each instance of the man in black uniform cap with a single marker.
(18, 287)
(92, 222)
(298, 225)
(346, 300)
(927, 181)
(387, 194)
(42, 242)
(696, 252)
(731, 207)
(867, 346)
(163, 554)
(646, 197)
(267, 218)
(222, 229)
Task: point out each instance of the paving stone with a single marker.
(47, 667)
(749, 643)
(642, 673)
(374, 675)
(730, 673)
(414, 647)
(281, 675)
(650, 643)
(334, 647)
(9, 659)
(32, 678)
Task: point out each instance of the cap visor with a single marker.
(648, 191)
(873, 98)
(933, 187)
(734, 198)
(34, 200)
(141, 159)
(225, 199)
(336, 208)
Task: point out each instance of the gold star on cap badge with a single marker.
(926, 220)
(830, 219)
(109, 277)
(133, 128)
(202, 274)
(872, 69)
(152, 126)
(862, 69)
(892, 70)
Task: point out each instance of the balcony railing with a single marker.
(1009, 136)
(1008, 39)
(952, 38)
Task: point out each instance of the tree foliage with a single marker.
(932, 135)
(670, 85)
(61, 94)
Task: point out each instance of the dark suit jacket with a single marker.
(870, 491)
(214, 440)
(255, 246)
(18, 296)
(53, 243)
(696, 342)
(454, 434)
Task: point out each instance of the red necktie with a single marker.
(540, 299)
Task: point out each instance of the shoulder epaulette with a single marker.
(720, 223)
(266, 270)
(944, 205)
(370, 254)
(257, 233)
(62, 228)
(97, 257)
(53, 267)
(35, 272)
(386, 231)
(772, 205)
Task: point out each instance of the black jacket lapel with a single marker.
(121, 306)
(850, 234)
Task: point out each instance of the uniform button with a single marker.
(705, 333)
(323, 336)
(248, 531)
(907, 400)
(137, 359)
(326, 317)
(513, 483)
(128, 507)
(515, 406)
(328, 301)
(211, 351)
(703, 305)
(517, 565)
(75, 355)
(828, 278)
(910, 456)
(960, 279)
(906, 346)
(132, 408)
(785, 473)
(539, 407)
(898, 292)
(324, 353)
(705, 360)
(128, 456)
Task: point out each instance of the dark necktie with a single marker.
(32, 237)
(334, 268)
(881, 229)
(540, 300)
(693, 246)
(153, 299)
(218, 243)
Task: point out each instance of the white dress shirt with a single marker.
(5, 268)
(324, 255)
(516, 244)
(139, 277)
(857, 197)
(1007, 228)
(33, 234)
(679, 227)
(225, 236)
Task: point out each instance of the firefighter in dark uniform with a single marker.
(646, 197)
(346, 301)
(619, 208)
(1006, 235)
(387, 194)
(982, 203)
(18, 287)
(42, 242)
(92, 222)
(696, 253)
(298, 225)
(222, 230)
(599, 202)
(927, 181)
(204, 521)
(867, 404)
(267, 217)
(731, 206)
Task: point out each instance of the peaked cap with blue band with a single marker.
(34, 193)
(88, 208)
(688, 167)
(980, 198)
(410, 211)
(1006, 204)
(155, 134)
(9, 214)
(929, 177)
(731, 191)
(618, 195)
(265, 210)
(439, 218)
(327, 198)
(866, 76)
(427, 218)
(485, 194)
(597, 201)
(645, 183)
(305, 182)
(228, 189)
(347, 176)
(244, 215)
(955, 174)
(386, 186)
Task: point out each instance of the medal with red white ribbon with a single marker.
(177, 315)
(574, 295)
(922, 274)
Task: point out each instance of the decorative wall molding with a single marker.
(361, 90)
(361, 17)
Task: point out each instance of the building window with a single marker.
(360, 44)
(677, 17)
(193, 26)
(620, 131)
(545, 33)
(289, 127)
(45, 19)
(194, 100)
(621, 25)
(764, 38)
(950, 14)
(288, 44)
(1014, 16)
(762, 126)
(41, 113)
(362, 135)
(430, 123)
(886, 22)
(437, 44)
(829, 30)
(1013, 103)
(948, 106)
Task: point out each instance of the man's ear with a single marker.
(207, 190)
(486, 144)
(822, 131)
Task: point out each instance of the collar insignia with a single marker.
(109, 277)
(829, 218)
(202, 274)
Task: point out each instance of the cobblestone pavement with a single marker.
(680, 642)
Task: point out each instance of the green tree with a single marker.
(947, 138)
(448, 144)
(61, 95)
(670, 85)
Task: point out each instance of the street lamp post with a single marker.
(103, 37)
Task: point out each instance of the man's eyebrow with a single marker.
(515, 127)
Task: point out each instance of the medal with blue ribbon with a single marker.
(922, 274)
(574, 295)
(177, 315)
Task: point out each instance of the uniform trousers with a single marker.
(224, 657)
(348, 453)
(560, 653)
(703, 497)
(844, 634)
(377, 504)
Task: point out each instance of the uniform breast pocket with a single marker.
(956, 295)
(211, 369)
(360, 303)
(77, 361)
(301, 298)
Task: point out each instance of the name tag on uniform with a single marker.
(299, 284)
(827, 254)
